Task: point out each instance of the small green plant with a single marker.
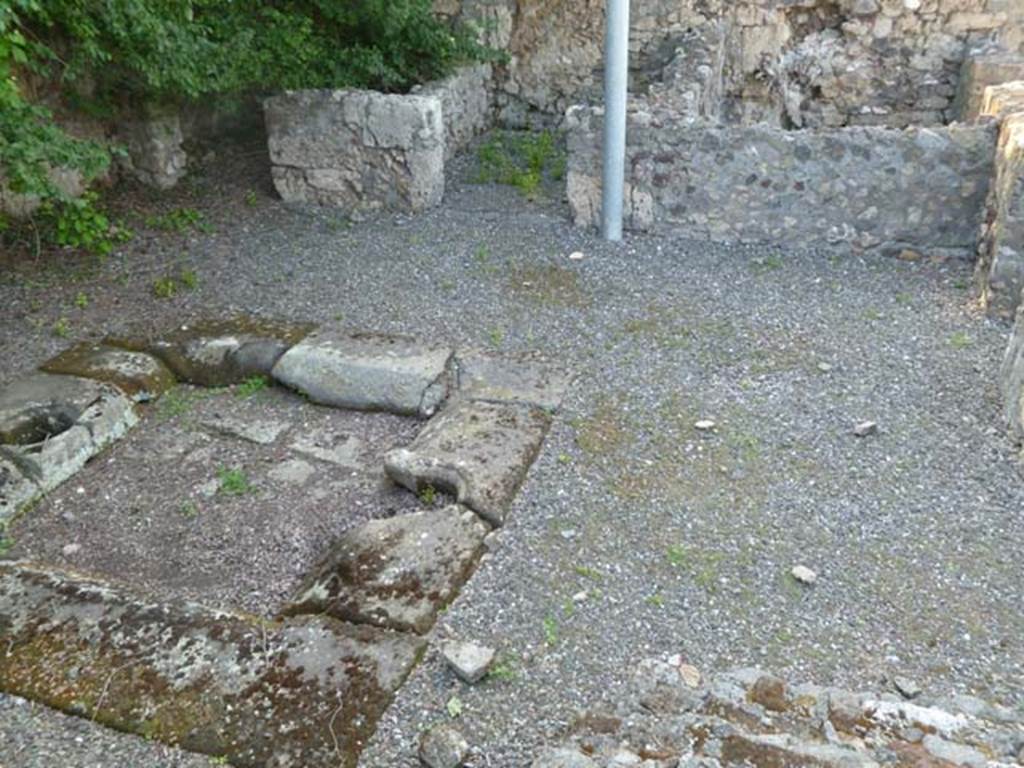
(165, 287)
(188, 509)
(521, 160)
(179, 220)
(82, 300)
(6, 542)
(233, 482)
(502, 670)
(587, 572)
(219, 760)
(189, 279)
(428, 495)
(62, 328)
(676, 556)
(656, 600)
(454, 707)
(960, 340)
(174, 402)
(252, 386)
(550, 630)
(564, 458)
(767, 263)
(497, 336)
(251, 199)
(78, 223)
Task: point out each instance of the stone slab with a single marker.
(486, 377)
(398, 572)
(42, 404)
(1004, 100)
(367, 372)
(260, 432)
(16, 490)
(51, 461)
(136, 373)
(218, 353)
(305, 692)
(477, 451)
(1011, 380)
(1001, 254)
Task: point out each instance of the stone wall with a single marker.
(805, 62)
(868, 187)
(1001, 252)
(366, 150)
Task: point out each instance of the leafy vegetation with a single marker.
(233, 482)
(252, 386)
(521, 160)
(109, 57)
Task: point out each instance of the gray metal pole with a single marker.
(616, 65)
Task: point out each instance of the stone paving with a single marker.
(252, 678)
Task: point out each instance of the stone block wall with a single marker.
(801, 62)
(867, 187)
(368, 150)
(1001, 253)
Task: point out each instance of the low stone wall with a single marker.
(366, 150)
(1001, 253)
(868, 187)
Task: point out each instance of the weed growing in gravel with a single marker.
(454, 707)
(548, 285)
(188, 509)
(564, 458)
(165, 288)
(656, 600)
(960, 340)
(250, 198)
(496, 336)
(251, 386)
(550, 630)
(587, 572)
(523, 161)
(503, 670)
(179, 220)
(62, 328)
(233, 482)
(703, 565)
(767, 263)
(428, 496)
(82, 300)
(5, 541)
(174, 402)
(168, 286)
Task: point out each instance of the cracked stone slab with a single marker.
(398, 572)
(138, 374)
(477, 451)
(502, 379)
(43, 404)
(260, 432)
(16, 490)
(305, 692)
(336, 448)
(217, 353)
(372, 372)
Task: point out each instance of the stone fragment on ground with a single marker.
(50, 426)
(218, 353)
(511, 380)
(397, 572)
(292, 471)
(803, 574)
(470, 661)
(865, 428)
(477, 451)
(306, 692)
(747, 717)
(442, 746)
(258, 431)
(137, 374)
(336, 448)
(368, 372)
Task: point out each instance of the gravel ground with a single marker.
(178, 510)
(34, 736)
(637, 534)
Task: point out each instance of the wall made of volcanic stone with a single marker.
(871, 188)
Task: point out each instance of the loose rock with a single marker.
(865, 428)
(469, 660)
(443, 747)
(803, 574)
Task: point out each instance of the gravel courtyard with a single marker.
(636, 533)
